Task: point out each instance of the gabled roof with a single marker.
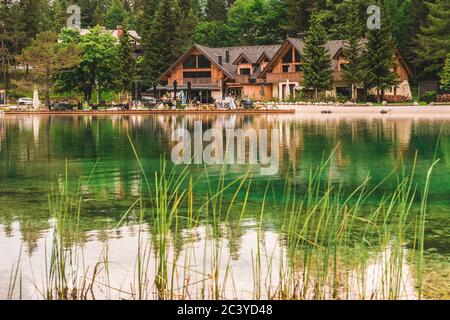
(252, 53)
(332, 46)
(262, 56)
(240, 58)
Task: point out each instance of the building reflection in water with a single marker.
(33, 150)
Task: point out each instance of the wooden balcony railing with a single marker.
(282, 77)
(336, 76)
(209, 82)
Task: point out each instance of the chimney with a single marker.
(220, 60)
(227, 56)
(119, 31)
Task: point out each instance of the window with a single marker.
(297, 56)
(190, 63)
(198, 74)
(203, 63)
(298, 68)
(286, 68)
(197, 62)
(244, 71)
(287, 58)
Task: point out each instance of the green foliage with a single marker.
(254, 22)
(126, 63)
(96, 66)
(429, 96)
(116, 15)
(317, 61)
(298, 15)
(445, 75)
(216, 10)
(169, 35)
(212, 34)
(353, 51)
(378, 61)
(434, 38)
(46, 57)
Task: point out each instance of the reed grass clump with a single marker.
(330, 243)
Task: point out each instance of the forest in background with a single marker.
(419, 29)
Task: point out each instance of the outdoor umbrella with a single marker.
(35, 99)
(288, 90)
(133, 91)
(189, 91)
(224, 88)
(262, 92)
(138, 91)
(154, 90)
(175, 84)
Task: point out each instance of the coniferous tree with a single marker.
(445, 74)
(379, 64)
(317, 61)
(353, 69)
(159, 45)
(186, 26)
(216, 10)
(416, 20)
(126, 63)
(298, 15)
(434, 39)
(59, 14)
(116, 15)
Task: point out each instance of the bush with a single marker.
(429, 96)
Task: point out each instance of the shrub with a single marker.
(429, 96)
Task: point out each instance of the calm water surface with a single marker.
(35, 151)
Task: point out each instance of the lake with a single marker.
(217, 242)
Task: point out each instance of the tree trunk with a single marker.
(382, 95)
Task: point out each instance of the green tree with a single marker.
(186, 26)
(254, 22)
(353, 51)
(434, 39)
(379, 64)
(316, 59)
(445, 74)
(126, 63)
(160, 44)
(298, 15)
(212, 34)
(416, 20)
(116, 15)
(47, 57)
(95, 69)
(216, 10)
(59, 14)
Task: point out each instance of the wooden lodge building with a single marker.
(258, 72)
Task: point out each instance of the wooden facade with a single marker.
(252, 72)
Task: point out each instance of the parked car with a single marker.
(25, 102)
(247, 103)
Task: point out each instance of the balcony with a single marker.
(198, 82)
(282, 77)
(336, 76)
